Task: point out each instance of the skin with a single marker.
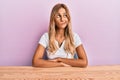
(61, 21)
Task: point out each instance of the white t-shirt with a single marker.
(44, 41)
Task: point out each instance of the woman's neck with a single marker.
(60, 37)
(60, 33)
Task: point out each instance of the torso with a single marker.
(60, 52)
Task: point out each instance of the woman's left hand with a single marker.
(60, 61)
(56, 59)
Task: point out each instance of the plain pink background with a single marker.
(22, 22)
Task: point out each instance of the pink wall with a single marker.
(22, 22)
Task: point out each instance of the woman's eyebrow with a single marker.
(64, 13)
(61, 13)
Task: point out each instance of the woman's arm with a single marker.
(80, 62)
(38, 60)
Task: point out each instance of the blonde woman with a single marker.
(60, 42)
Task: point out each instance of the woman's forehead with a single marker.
(61, 11)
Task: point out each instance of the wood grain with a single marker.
(60, 73)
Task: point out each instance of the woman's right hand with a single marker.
(56, 60)
(65, 65)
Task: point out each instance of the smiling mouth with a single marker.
(62, 23)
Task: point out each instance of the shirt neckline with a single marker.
(61, 44)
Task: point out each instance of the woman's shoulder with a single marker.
(77, 39)
(75, 34)
(45, 34)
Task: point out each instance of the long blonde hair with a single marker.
(69, 41)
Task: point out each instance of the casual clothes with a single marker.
(44, 41)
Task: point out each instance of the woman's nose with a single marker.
(62, 18)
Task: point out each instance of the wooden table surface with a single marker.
(60, 73)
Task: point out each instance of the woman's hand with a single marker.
(65, 65)
(60, 61)
(56, 59)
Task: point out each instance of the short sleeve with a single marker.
(44, 40)
(77, 40)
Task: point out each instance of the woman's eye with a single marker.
(58, 16)
(65, 15)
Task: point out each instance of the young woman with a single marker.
(60, 42)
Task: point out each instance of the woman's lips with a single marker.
(62, 23)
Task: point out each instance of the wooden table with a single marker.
(60, 73)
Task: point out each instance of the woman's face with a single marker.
(61, 19)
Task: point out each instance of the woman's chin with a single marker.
(63, 26)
